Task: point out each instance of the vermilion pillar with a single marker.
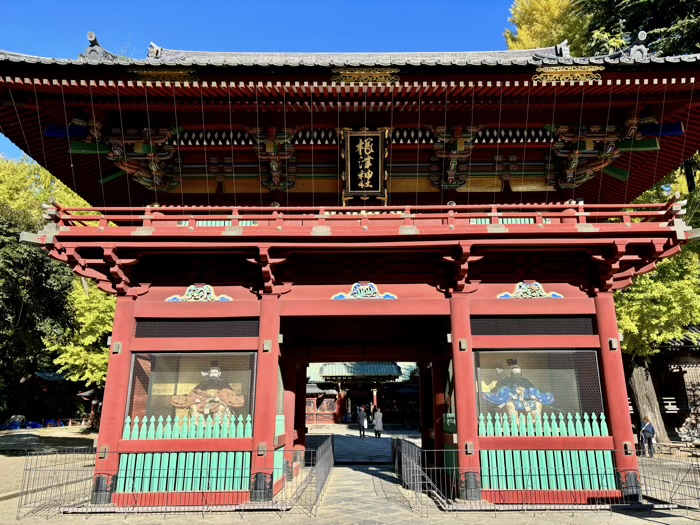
(266, 397)
(290, 380)
(615, 390)
(116, 389)
(465, 397)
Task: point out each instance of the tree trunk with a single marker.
(645, 400)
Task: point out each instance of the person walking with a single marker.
(362, 422)
(648, 434)
(378, 423)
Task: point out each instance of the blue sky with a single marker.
(58, 29)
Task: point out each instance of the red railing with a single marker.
(376, 219)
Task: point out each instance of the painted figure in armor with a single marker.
(516, 394)
(210, 397)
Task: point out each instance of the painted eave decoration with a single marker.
(199, 294)
(364, 291)
(532, 290)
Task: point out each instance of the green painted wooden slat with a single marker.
(168, 428)
(607, 456)
(172, 471)
(155, 472)
(225, 422)
(147, 464)
(230, 470)
(238, 471)
(582, 455)
(599, 459)
(188, 472)
(192, 428)
(180, 471)
(278, 464)
(541, 458)
(206, 472)
(143, 431)
(533, 466)
(566, 455)
(222, 474)
(510, 482)
(575, 463)
(484, 455)
(240, 427)
(500, 456)
(214, 472)
(164, 472)
(130, 473)
(155, 469)
(135, 429)
(558, 466)
(590, 455)
(245, 475)
(216, 428)
(138, 473)
(176, 428)
(248, 430)
(517, 458)
(197, 472)
(550, 468)
(151, 432)
(121, 473)
(493, 472)
(238, 465)
(148, 459)
(485, 472)
(126, 433)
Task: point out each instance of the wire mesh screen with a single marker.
(541, 325)
(192, 385)
(538, 382)
(246, 327)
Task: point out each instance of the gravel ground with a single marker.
(12, 462)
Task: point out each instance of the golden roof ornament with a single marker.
(380, 75)
(556, 74)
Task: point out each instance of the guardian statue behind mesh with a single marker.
(213, 396)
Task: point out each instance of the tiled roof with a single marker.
(548, 56)
(360, 370)
(314, 390)
(690, 340)
(313, 373)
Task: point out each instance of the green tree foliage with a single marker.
(660, 305)
(544, 23)
(83, 352)
(81, 347)
(34, 305)
(604, 26)
(672, 26)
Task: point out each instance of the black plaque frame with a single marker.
(353, 183)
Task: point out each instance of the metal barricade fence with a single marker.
(547, 480)
(67, 481)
